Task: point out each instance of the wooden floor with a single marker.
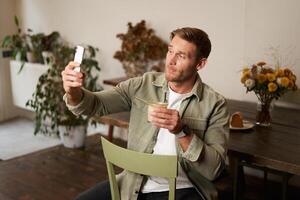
(60, 174)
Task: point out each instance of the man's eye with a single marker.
(182, 56)
(170, 51)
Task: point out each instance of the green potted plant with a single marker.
(29, 46)
(17, 43)
(52, 115)
(41, 45)
(141, 50)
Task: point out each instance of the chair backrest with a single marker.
(141, 163)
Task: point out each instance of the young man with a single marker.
(194, 126)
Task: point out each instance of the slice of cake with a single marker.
(236, 120)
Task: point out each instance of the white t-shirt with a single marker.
(166, 145)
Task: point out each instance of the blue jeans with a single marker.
(102, 191)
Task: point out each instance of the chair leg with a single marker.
(265, 184)
(172, 189)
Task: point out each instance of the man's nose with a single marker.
(173, 59)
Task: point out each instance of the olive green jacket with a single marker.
(205, 113)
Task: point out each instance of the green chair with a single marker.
(141, 163)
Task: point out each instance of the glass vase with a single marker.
(263, 116)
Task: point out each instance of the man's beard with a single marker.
(176, 75)
(172, 74)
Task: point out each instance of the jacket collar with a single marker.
(197, 89)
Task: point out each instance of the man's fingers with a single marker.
(162, 121)
(71, 65)
(72, 79)
(164, 110)
(71, 75)
(69, 71)
(73, 84)
(172, 115)
(160, 115)
(158, 125)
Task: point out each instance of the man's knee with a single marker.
(101, 190)
(79, 197)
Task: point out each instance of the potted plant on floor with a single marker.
(52, 115)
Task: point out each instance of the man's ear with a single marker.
(201, 63)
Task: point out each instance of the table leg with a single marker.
(285, 181)
(236, 173)
(266, 183)
(110, 133)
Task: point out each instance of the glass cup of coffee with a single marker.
(155, 105)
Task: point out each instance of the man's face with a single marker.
(181, 62)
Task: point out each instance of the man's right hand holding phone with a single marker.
(72, 82)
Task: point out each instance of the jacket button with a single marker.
(136, 192)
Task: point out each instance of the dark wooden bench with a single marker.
(117, 119)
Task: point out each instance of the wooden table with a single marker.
(273, 149)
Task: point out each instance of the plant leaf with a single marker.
(16, 20)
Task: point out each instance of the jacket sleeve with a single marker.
(106, 102)
(207, 156)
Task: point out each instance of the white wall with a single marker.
(274, 23)
(7, 10)
(241, 30)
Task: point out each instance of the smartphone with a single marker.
(78, 57)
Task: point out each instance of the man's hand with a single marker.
(166, 118)
(170, 119)
(72, 82)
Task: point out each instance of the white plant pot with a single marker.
(18, 56)
(30, 57)
(72, 137)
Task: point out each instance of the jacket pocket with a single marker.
(197, 126)
(140, 104)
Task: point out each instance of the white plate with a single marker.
(246, 125)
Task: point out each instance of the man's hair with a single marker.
(197, 37)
